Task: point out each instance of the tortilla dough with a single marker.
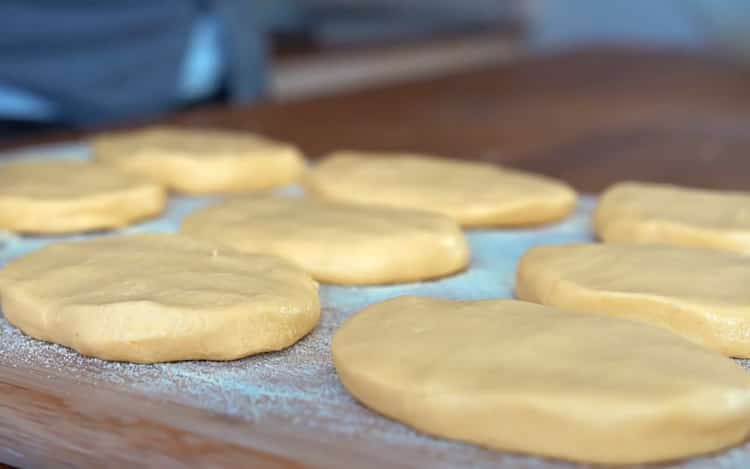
(158, 297)
(338, 242)
(521, 377)
(201, 161)
(475, 194)
(73, 196)
(638, 213)
(700, 294)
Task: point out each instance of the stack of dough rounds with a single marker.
(700, 294)
(158, 297)
(52, 197)
(474, 194)
(521, 377)
(338, 242)
(640, 213)
(200, 161)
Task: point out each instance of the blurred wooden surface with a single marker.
(591, 118)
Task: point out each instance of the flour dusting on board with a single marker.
(299, 385)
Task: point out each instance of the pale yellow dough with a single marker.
(475, 194)
(338, 242)
(640, 213)
(49, 197)
(521, 377)
(700, 294)
(200, 161)
(158, 297)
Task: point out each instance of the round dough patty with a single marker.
(338, 242)
(474, 194)
(200, 161)
(521, 377)
(700, 294)
(48, 197)
(640, 213)
(158, 297)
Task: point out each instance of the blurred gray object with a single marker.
(726, 23)
(351, 22)
(96, 61)
(419, 39)
(711, 25)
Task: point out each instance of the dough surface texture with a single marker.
(338, 242)
(55, 197)
(474, 194)
(639, 213)
(202, 161)
(698, 293)
(158, 297)
(521, 377)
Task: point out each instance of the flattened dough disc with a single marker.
(521, 377)
(338, 242)
(698, 293)
(158, 297)
(73, 196)
(200, 161)
(474, 194)
(640, 213)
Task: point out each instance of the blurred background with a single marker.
(97, 63)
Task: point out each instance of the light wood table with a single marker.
(591, 118)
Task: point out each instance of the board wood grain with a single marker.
(591, 118)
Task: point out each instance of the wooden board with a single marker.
(591, 118)
(288, 406)
(294, 394)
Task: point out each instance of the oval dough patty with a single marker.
(338, 242)
(640, 213)
(700, 294)
(73, 196)
(473, 193)
(158, 297)
(517, 376)
(199, 161)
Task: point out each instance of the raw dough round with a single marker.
(200, 161)
(73, 196)
(158, 297)
(474, 194)
(338, 242)
(700, 294)
(638, 213)
(521, 377)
